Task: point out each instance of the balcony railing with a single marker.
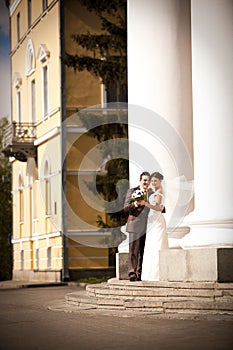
(18, 141)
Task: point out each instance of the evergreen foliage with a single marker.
(106, 58)
(5, 212)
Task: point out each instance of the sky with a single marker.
(5, 106)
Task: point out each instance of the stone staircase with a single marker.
(166, 298)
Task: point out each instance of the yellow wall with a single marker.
(86, 257)
(28, 233)
(82, 89)
(38, 235)
(51, 38)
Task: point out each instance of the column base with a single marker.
(175, 235)
(207, 236)
(122, 266)
(206, 264)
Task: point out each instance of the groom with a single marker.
(136, 227)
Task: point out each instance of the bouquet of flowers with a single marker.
(138, 195)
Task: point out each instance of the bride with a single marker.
(156, 236)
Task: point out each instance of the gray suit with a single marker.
(136, 227)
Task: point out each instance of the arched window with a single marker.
(30, 64)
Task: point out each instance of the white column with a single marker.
(212, 72)
(160, 94)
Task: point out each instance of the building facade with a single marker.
(53, 228)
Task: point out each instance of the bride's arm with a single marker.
(158, 201)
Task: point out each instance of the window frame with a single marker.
(33, 100)
(44, 5)
(29, 13)
(45, 90)
(18, 26)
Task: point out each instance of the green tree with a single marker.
(5, 212)
(106, 53)
(106, 58)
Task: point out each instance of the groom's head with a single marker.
(145, 180)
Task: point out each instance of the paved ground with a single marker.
(36, 319)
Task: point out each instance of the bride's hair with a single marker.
(157, 175)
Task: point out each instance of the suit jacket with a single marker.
(137, 219)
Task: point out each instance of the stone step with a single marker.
(159, 297)
(163, 290)
(116, 283)
(163, 307)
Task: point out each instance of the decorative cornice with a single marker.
(37, 237)
(17, 81)
(14, 6)
(56, 131)
(71, 233)
(43, 53)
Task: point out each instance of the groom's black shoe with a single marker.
(133, 277)
(139, 278)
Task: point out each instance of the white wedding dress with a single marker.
(156, 240)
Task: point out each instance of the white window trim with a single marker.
(17, 81)
(43, 56)
(46, 178)
(45, 113)
(30, 64)
(43, 53)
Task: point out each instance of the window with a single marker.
(18, 26)
(29, 13)
(47, 197)
(33, 102)
(18, 96)
(17, 84)
(32, 177)
(47, 189)
(45, 89)
(43, 56)
(30, 62)
(21, 201)
(49, 258)
(22, 259)
(37, 258)
(20, 205)
(45, 4)
(117, 93)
